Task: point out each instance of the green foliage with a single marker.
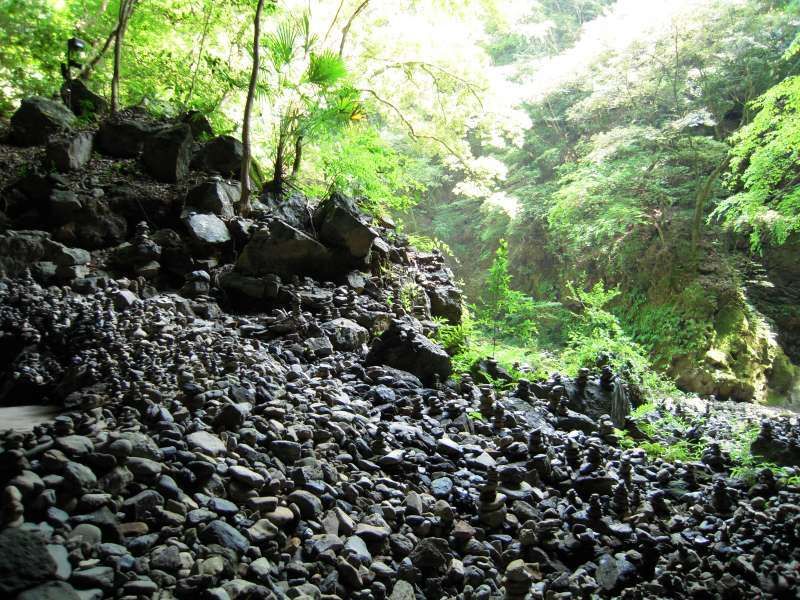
(596, 338)
(423, 243)
(676, 328)
(625, 189)
(747, 466)
(618, 166)
(455, 339)
(505, 312)
(32, 44)
(764, 169)
(357, 161)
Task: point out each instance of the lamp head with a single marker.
(75, 44)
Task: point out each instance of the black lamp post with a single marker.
(75, 47)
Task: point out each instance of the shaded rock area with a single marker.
(278, 426)
(39, 118)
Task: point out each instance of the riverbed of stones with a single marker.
(209, 458)
(249, 434)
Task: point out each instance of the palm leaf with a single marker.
(325, 69)
(305, 28)
(281, 44)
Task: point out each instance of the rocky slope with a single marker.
(253, 410)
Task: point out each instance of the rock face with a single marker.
(446, 303)
(207, 231)
(37, 119)
(283, 250)
(345, 334)
(403, 348)
(292, 210)
(20, 250)
(168, 152)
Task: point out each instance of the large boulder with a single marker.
(94, 226)
(168, 152)
(283, 250)
(63, 205)
(215, 196)
(122, 138)
(253, 288)
(82, 100)
(292, 209)
(135, 202)
(222, 155)
(345, 334)
(340, 225)
(199, 123)
(37, 119)
(176, 256)
(207, 231)
(22, 249)
(404, 348)
(70, 153)
(446, 303)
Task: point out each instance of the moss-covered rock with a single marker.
(743, 361)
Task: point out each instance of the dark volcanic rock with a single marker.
(53, 590)
(207, 231)
(167, 153)
(199, 123)
(221, 155)
(215, 196)
(403, 348)
(24, 561)
(70, 153)
(345, 334)
(122, 138)
(340, 225)
(37, 119)
(82, 100)
(220, 532)
(446, 302)
(292, 209)
(256, 288)
(283, 250)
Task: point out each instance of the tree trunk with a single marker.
(125, 11)
(298, 155)
(277, 174)
(244, 203)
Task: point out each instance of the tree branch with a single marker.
(420, 136)
(335, 18)
(90, 66)
(346, 29)
(471, 86)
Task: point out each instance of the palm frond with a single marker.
(325, 69)
(304, 25)
(281, 44)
